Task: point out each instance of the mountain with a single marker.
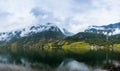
(91, 38)
(110, 29)
(43, 33)
(48, 31)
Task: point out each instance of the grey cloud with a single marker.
(38, 12)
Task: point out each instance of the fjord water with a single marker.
(66, 65)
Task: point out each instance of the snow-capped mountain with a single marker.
(110, 29)
(6, 36)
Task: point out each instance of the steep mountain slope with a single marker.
(39, 32)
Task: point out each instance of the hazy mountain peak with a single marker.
(67, 33)
(110, 29)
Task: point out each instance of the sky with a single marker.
(73, 15)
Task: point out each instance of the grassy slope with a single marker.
(77, 47)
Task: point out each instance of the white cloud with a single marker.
(74, 15)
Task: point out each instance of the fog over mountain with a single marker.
(111, 29)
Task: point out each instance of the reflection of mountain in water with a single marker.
(66, 65)
(73, 65)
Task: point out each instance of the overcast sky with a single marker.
(74, 15)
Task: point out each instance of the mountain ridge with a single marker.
(6, 36)
(111, 29)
